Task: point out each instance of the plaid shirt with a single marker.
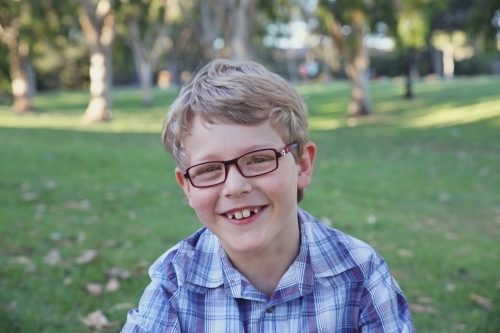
(336, 284)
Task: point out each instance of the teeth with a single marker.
(242, 214)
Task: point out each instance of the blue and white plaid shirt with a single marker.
(336, 284)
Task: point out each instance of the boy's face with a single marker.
(273, 196)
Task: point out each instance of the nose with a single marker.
(236, 184)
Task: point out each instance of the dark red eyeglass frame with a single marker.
(234, 161)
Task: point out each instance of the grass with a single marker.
(419, 181)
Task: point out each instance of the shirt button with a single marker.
(270, 309)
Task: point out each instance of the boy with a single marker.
(239, 136)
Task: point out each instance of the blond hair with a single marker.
(224, 91)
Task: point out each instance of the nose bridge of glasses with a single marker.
(227, 165)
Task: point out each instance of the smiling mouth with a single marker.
(244, 213)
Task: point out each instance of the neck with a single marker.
(265, 268)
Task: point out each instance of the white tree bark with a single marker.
(357, 62)
(98, 24)
(237, 17)
(146, 51)
(17, 53)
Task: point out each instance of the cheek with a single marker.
(202, 201)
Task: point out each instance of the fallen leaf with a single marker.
(121, 306)
(326, 221)
(419, 308)
(87, 257)
(50, 184)
(25, 186)
(96, 319)
(113, 285)
(53, 257)
(12, 305)
(29, 196)
(481, 300)
(80, 238)
(451, 236)
(118, 273)
(25, 261)
(425, 300)
(85, 205)
(445, 198)
(94, 288)
(406, 253)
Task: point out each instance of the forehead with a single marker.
(222, 141)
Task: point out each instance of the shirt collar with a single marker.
(323, 253)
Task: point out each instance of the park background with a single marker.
(404, 103)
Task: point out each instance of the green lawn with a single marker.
(419, 181)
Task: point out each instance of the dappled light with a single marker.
(456, 116)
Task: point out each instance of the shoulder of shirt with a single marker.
(194, 261)
(334, 252)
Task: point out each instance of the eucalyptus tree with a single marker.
(22, 23)
(97, 19)
(237, 20)
(484, 20)
(145, 25)
(348, 22)
(412, 32)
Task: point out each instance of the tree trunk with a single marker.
(448, 62)
(356, 70)
(146, 51)
(242, 30)
(409, 70)
(145, 76)
(211, 28)
(98, 25)
(357, 61)
(19, 77)
(99, 107)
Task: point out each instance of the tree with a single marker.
(98, 25)
(485, 22)
(145, 25)
(412, 31)
(348, 22)
(20, 24)
(237, 20)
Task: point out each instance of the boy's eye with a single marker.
(206, 169)
(210, 168)
(259, 159)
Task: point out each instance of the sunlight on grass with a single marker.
(119, 124)
(323, 123)
(456, 116)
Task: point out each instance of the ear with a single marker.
(305, 165)
(183, 183)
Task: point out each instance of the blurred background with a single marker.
(404, 106)
(52, 44)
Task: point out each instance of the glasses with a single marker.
(252, 164)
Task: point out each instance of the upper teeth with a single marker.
(244, 213)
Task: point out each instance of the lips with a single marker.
(242, 213)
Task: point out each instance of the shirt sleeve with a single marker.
(384, 307)
(156, 312)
